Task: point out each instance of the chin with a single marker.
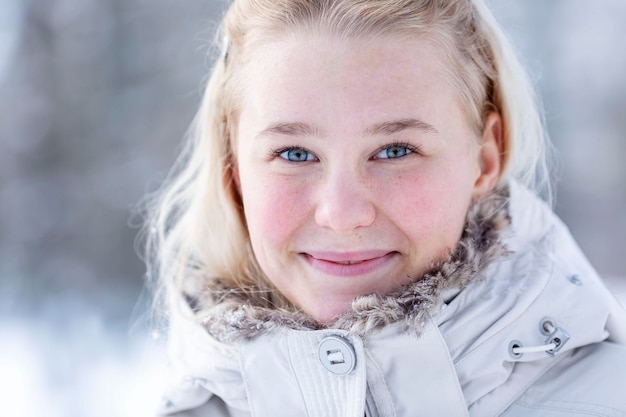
(328, 312)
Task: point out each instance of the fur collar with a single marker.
(235, 316)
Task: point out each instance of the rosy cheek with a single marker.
(422, 209)
(428, 204)
(275, 208)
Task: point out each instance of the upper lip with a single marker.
(352, 256)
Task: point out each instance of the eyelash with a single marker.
(410, 147)
(277, 152)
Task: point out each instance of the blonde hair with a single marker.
(196, 234)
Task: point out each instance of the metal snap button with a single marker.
(337, 355)
(575, 279)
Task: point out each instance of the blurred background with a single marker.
(95, 97)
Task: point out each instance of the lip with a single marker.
(361, 262)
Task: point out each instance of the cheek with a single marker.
(420, 206)
(274, 208)
(431, 206)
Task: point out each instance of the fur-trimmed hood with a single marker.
(236, 315)
(516, 268)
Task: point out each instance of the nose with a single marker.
(344, 201)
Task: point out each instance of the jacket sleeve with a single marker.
(214, 407)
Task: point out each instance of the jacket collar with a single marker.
(240, 316)
(547, 278)
(478, 307)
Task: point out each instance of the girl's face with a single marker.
(356, 164)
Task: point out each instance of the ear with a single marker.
(234, 170)
(490, 156)
(232, 166)
(232, 183)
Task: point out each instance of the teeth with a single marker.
(349, 262)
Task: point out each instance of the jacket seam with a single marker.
(246, 387)
(532, 381)
(568, 410)
(550, 234)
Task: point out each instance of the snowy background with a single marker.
(95, 96)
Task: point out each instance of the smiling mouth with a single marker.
(350, 264)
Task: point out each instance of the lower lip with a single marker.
(350, 270)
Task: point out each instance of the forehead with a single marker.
(305, 72)
(327, 53)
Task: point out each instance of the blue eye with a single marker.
(297, 155)
(393, 151)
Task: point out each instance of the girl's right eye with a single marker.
(296, 155)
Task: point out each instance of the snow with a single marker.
(82, 369)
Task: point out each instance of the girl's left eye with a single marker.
(296, 155)
(394, 151)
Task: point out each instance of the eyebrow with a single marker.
(289, 129)
(396, 126)
(384, 128)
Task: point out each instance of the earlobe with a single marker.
(232, 182)
(490, 154)
(234, 169)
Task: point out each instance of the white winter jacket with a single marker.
(528, 330)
